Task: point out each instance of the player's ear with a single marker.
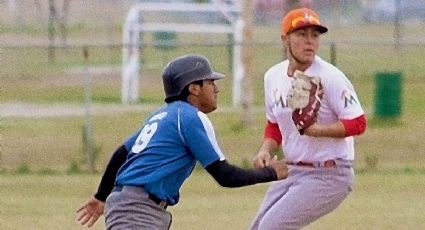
(284, 39)
(285, 44)
(194, 89)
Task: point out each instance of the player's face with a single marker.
(208, 96)
(303, 44)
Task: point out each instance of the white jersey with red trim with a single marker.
(339, 101)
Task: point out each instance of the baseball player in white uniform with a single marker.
(320, 154)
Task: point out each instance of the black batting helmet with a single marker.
(184, 70)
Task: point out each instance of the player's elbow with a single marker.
(361, 125)
(225, 183)
(355, 126)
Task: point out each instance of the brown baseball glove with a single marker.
(305, 99)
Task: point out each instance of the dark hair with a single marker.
(184, 93)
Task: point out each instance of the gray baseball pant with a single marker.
(306, 195)
(131, 208)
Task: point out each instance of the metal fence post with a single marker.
(333, 53)
(88, 143)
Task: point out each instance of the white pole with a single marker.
(11, 5)
(247, 60)
(238, 70)
(131, 41)
(130, 71)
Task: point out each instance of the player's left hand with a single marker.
(90, 212)
(305, 100)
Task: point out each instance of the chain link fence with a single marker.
(43, 63)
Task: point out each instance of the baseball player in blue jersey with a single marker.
(145, 174)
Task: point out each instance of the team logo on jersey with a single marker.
(348, 98)
(279, 99)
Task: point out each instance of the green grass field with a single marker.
(37, 152)
(380, 201)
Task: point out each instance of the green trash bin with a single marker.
(388, 94)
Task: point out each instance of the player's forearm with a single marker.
(269, 145)
(108, 179)
(228, 175)
(339, 129)
(335, 130)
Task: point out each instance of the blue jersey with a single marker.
(165, 150)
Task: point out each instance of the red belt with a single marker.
(322, 164)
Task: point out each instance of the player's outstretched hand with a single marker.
(90, 212)
(262, 159)
(280, 167)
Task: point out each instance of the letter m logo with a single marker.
(349, 99)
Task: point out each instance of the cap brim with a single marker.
(320, 28)
(215, 76)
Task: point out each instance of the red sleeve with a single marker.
(355, 126)
(272, 131)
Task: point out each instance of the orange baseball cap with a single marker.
(301, 18)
